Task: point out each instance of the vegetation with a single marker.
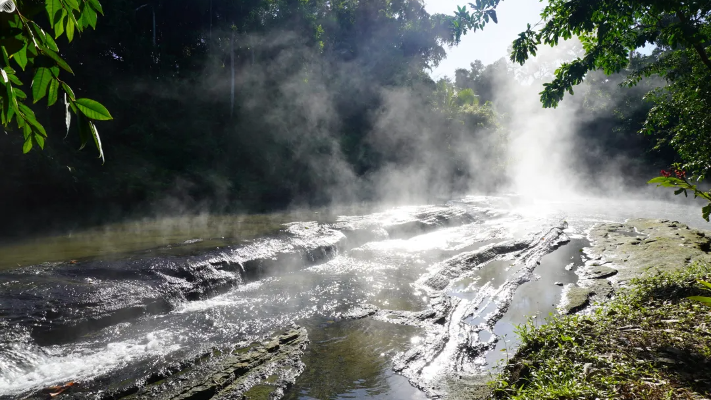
(36, 53)
(650, 342)
(239, 105)
(610, 32)
(258, 104)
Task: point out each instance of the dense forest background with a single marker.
(255, 105)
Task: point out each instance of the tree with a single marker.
(29, 43)
(610, 31)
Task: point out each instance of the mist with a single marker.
(312, 124)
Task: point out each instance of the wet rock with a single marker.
(575, 298)
(597, 272)
(407, 223)
(646, 246)
(358, 312)
(458, 265)
(61, 303)
(260, 371)
(452, 327)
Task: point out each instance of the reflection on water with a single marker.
(538, 298)
(346, 359)
(161, 236)
(351, 360)
(494, 273)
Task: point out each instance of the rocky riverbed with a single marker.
(406, 302)
(637, 248)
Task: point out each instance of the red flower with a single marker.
(680, 174)
(665, 174)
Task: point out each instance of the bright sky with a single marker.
(490, 44)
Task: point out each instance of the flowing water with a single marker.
(405, 303)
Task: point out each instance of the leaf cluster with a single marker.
(610, 30)
(26, 44)
(482, 12)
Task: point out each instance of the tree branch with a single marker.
(696, 45)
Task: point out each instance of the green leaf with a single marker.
(40, 83)
(96, 6)
(88, 16)
(19, 93)
(706, 211)
(70, 29)
(707, 284)
(27, 146)
(52, 7)
(5, 56)
(54, 56)
(39, 140)
(32, 120)
(701, 299)
(21, 57)
(667, 181)
(46, 41)
(69, 91)
(52, 45)
(14, 79)
(53, 92)
(93, 109)
(12, 100)
(59, 24)
(72, 4)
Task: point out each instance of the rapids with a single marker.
(405, 302)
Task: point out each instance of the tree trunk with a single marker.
(696, 45)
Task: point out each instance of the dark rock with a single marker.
(263, 368)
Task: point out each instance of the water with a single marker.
(147, 295)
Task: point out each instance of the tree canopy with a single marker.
(610, 32)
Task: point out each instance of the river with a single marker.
(404, 302)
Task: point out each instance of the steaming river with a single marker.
(399, 303)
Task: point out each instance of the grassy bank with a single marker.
(650, 342)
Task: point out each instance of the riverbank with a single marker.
(648, 341)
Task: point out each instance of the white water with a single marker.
(382, 273)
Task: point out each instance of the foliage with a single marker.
(311, 79)
(682, 185)
(610, 32)
(31, 45)
(485, 81)
(649, 342)
(482, 11)
(680, 113)
(702, 299)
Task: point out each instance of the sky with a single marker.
(490, 44)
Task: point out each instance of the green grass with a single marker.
(650, 342)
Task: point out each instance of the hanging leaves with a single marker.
(93, 109)
(40, 83)
(28, 44)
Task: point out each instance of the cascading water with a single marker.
(405, 303)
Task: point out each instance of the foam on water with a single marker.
(40, 367)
